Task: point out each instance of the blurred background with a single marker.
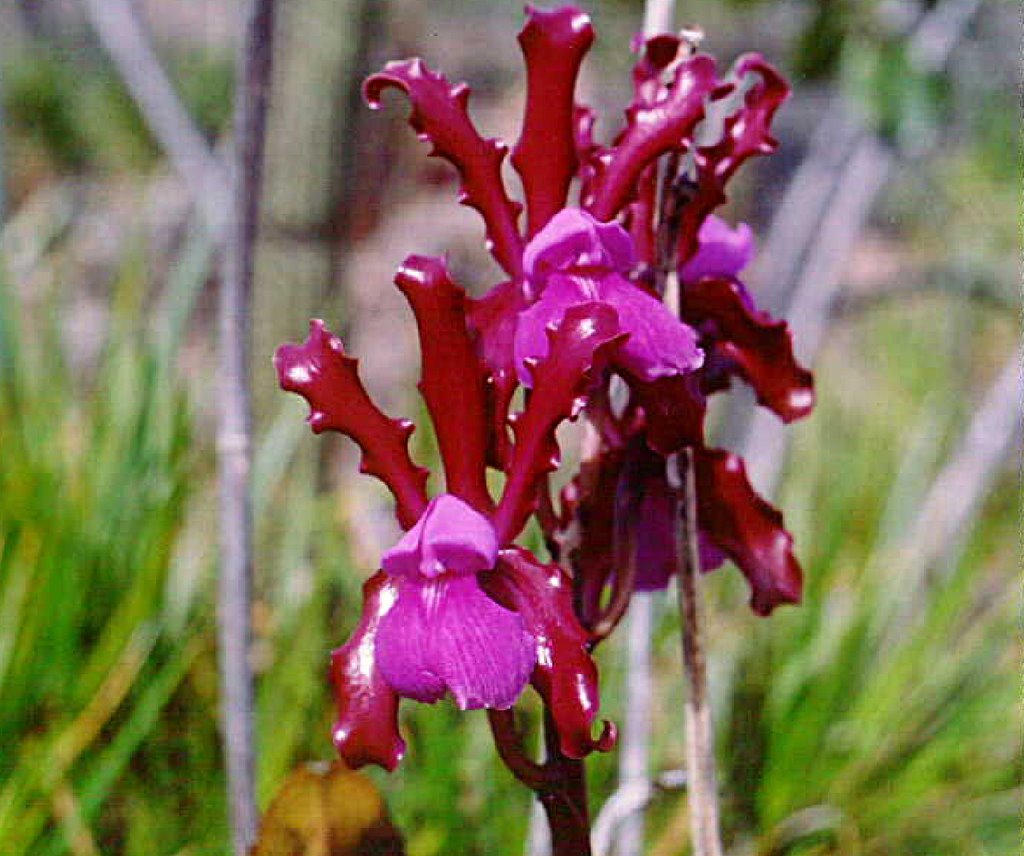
(880, 717)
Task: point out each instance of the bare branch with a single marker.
(124, 38)
(702, 781)
(635, 737)
(235, 429)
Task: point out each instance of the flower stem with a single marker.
(700, 744)
(565, 805)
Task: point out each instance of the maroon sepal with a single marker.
(590, 156)
(641, 217)
(439, 116)
(579, 349)
(565, 674)
(653, 129)
(587, 521)
(748, 342)
(674, 410)
(656, 55)
(321, 372)
(553, 44)
(747, 529)
(746, 133)
(454, 381)
(493, 319)
(366, 731)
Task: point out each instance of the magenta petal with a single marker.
(722, 251)
(454, 381)
(446, 634)
(450, 536)
(579, 349)
(531, 339)
(574, 239)
(659, 344)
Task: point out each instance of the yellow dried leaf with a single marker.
(327, 810)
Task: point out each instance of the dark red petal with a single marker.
(759, 347)
(640, 216)
(565, 675)
(321, 372)
(439, 116)
(664, 125)
(580, 347)
(554, 44)
(656, 55)
(747, 529)
(454, 381)
(588, 526)
(494, 318)
(674, 410)
(590, 156)
(366, 731)
(746, 133)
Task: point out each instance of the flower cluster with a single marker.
(457, 606)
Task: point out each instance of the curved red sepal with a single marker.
(553, 44)
(745, 133)
(494, 318)
(587, 521)
(750, 343)
(654, 128)
(565, 674)
(454, 381)
(366, 731)
(439, 116)
(747, 529)
(321, 372)
(579, 348)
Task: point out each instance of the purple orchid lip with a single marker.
(446, 634)
(443, 632)
(577, 259)
(450, 536)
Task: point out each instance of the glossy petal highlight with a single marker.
(366, 731)
(747, 529)
(565, 674)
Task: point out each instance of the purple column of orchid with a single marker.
(457, 607)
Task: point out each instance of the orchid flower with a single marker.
(456, 606)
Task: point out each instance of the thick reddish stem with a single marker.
(566, 806)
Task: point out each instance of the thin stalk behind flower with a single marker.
(235, 429)
(700, 744)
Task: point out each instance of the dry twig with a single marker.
(234, 444)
